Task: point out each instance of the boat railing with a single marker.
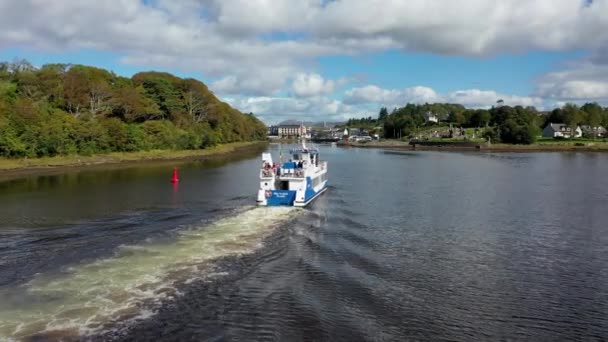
(292, 173)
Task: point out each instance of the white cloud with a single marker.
(586, 81)
(390, 97)
(268, 83)
(249, 39)
(473, 98)
(306, 85)
(276, 109)
(366, 101)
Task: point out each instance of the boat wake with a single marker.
(89, 298)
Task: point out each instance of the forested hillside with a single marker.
(62, 109)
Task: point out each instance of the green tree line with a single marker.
(62, 109)
(508, 124)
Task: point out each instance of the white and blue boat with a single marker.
(296, 182)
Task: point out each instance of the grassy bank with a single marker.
(7, 165)
(450, 145)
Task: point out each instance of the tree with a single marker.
(572, 117)
(99, 94)
(131, 105)
(28, 85)
(194, 99)
(514, 133)
(383, 114)
(58, 109)
(457, 118)
(556, 116)
(20, 65)
(75, 91)
(593, 113)
(50, 80)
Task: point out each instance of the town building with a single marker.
(289, 129)
(598, 132)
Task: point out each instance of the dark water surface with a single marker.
(403, 246)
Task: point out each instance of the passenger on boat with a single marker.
(267, 169)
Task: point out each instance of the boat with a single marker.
(296, 182)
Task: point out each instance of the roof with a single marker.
(290, 123)
(598, 129)
(558, 127)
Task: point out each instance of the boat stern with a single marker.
(276, 197)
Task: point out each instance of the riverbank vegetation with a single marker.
(63, 110)
(27, 164)
(502, 123)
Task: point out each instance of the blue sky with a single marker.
(507, 73)
(331, 60)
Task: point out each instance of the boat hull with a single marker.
(303, 204)
(288, 197)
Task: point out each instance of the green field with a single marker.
(570, 141)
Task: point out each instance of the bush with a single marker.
(116, 131)
(137, 140)
(513, 133)
(188, 140)
(56, 137)
(10, 144)
(160, 134)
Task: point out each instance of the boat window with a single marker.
(296, 157)
(284, 185)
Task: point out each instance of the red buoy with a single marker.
(174, 179)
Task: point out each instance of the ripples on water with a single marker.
(87, 297)
(404, 246)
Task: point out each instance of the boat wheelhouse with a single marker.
(296, 182)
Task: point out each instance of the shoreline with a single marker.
(480, 147)
(20, 167)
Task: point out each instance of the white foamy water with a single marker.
(92, 295)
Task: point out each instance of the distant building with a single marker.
(598, 132)
(336, 133)
(353, 131)
(289, 129)
(273, 131)
(431, 117)
(560, 130)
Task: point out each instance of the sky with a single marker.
(330, 60)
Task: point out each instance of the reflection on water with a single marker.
(56, 199)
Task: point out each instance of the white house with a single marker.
(560, 130)
(431, 117)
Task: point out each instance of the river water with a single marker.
(403, 246)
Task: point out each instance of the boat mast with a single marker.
(302, 134)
